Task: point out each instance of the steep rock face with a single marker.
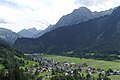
(97, 34)
(77, 16)
(8, 35)
(80, 15)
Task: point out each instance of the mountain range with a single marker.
(101, 33)
(78, 15)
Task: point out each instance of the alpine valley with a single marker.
(82, 45)
(96, 34)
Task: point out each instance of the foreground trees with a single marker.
(13, 74)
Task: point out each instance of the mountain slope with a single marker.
(77, 16)
(3, 42)
(8, 35)
(97, 34)
(80, 15)
(49, 28)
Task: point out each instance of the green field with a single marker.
(28, 63)
(1, 66)
(44, 73)
(115, 77)
(91, 62)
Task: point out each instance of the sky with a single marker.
(23, 14)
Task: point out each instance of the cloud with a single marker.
(3, 21)
(37, 12)
(98, 5)
(84, 2)
(40, 13)
(9, 4)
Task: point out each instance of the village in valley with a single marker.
(50, 68)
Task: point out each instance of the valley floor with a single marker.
(98, 64)
(94, 63)
(42, 65)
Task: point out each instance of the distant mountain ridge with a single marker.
(96, 34)
(78, 15)
(30, 33)
(8, 35)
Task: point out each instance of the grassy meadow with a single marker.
(91, 62)
(114, 77)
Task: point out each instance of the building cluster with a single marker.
(66, 68)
